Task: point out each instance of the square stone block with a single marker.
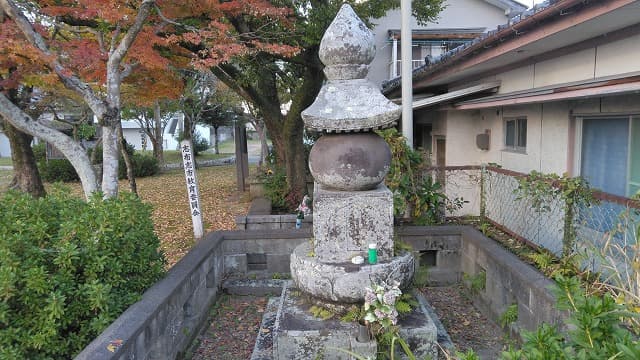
(346, 222)
(300, 335)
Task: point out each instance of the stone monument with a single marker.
(353, 210)
(352, 206)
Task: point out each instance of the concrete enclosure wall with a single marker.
(170, 314)
(456, 252)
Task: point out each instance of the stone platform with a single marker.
(297, 334)
(300, 335)
(345, 282)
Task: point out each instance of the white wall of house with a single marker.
(131, 132)
(598, 61)
(549, 133)
(457, 14)
(5, 149)
(553, 136)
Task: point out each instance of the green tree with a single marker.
(269, 81)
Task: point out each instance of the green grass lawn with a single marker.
(5, 161)
(229, 146)
(5, 179)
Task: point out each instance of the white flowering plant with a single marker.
(380, 305)
(305, 206)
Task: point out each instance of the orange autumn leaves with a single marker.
(176, 35)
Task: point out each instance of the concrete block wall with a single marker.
(271, 222)
(508, 281)
(456, 251)
(267, 255)
(172, 312)
(438, 248)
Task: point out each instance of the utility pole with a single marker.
(407, 79)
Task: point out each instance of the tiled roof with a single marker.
(460, 51)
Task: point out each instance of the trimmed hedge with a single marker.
(68, 268)
(143, 165)
(55, 170)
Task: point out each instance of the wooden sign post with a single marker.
(189, 162)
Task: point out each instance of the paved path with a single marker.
(3, 167)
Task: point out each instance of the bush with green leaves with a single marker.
(275, 186)
(595, 330)
(200, 144)
(143, 165)
(53, 170)
(414, 190)
(68, 268)
(39, 151)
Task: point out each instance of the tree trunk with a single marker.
(158, 139)
(262, 135)
(216, 149)
(293, 129)
(127, 160)
(109, 161)
(71, 150)
(26, 177)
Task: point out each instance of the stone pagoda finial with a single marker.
(348, 102)
(347, 47)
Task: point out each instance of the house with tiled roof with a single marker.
(459, 23)
(556, 89)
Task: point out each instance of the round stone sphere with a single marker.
(350, 161)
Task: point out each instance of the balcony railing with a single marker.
(395, 68)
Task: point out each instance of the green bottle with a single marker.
(299, 219)
(373, 253)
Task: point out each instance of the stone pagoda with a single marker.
(352, 207)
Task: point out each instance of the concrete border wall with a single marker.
(271, 222)
(460, 250)
(172, 312)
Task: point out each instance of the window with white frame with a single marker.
(515, 134)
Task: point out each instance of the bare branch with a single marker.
(128, 69)
(114, 38)
(118, 54)
(169, 21)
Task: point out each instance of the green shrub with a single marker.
(200, 144)
(53, 170)
(39, 151)
(69, 268)
(143, 165)
(275, 186)
(415, 193)
(594, 330)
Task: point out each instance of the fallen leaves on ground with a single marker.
(219, 200)
(234, 324)
(467, 327)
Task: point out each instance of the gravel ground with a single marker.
(235, 322)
